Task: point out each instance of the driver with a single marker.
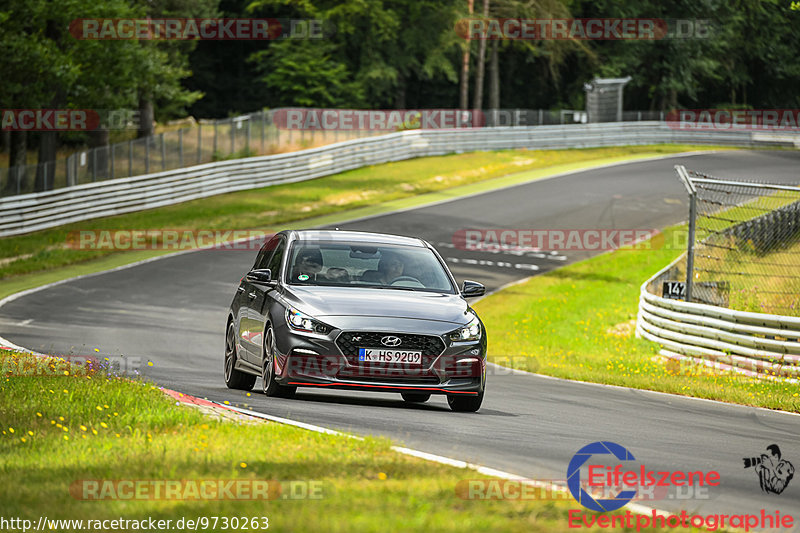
(390, 267)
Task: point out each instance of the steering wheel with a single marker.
(405, 278)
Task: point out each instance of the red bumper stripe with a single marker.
(378, 387)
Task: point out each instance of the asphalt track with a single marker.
(171, 312)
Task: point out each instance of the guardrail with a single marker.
(755, 344)
(36, 211)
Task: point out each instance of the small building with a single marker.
(604, 99)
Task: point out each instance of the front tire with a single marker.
(465, 404)
(412, 397)
(268, 383)
(235, 379)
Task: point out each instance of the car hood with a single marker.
(349, 301)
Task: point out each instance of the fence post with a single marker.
(233, 138)
(263, 129)
(130, 158)
(94, 164)
(215, 140)
(180, 148)
(690, 188)
(147, 155)
(199, 142)
(163, 153)
(113, 154)
(247, 140)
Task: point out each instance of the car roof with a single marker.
(354, 237)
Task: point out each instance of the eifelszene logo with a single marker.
(617, 485)
(774, 473)
(574, 476)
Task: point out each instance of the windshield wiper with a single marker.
(388, 287)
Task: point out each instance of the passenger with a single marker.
(307, 265)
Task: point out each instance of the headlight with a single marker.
(302, 322)
(470, 332)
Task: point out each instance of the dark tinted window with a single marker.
(274, 263)
(272, 248)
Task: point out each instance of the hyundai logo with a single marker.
(391, 340)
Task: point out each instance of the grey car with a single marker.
(355, 311)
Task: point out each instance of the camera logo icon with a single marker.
(774, 473)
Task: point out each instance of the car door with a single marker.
(246, 295)
(264, 298)
(253, 297)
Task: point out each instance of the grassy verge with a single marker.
(578, 323)
(272, 207)
(58, 430)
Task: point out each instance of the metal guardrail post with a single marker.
(263, 129)
(113, 155)
(147, 155)
(130, 158)
(180, 148)
(94, 164)
(199, 142)
(690, 188)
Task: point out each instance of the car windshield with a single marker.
(379, 266)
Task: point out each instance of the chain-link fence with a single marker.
(204, 142)
(744, 244)
(214, 140)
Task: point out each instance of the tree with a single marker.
(46, 67)
(167, 63)
(478, 100)
(375, 51)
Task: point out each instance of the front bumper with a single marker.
(329, 361)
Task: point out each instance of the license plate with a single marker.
(381, 355)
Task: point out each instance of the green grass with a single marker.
(275, 207)
(59, 429)
(578, 323)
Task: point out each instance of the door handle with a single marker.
(252, 295)
(240, 289)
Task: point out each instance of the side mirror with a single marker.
(259, 275)
(470, 289)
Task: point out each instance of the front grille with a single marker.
(430, 346)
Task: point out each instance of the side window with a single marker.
(273, 262)
(265, 254)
